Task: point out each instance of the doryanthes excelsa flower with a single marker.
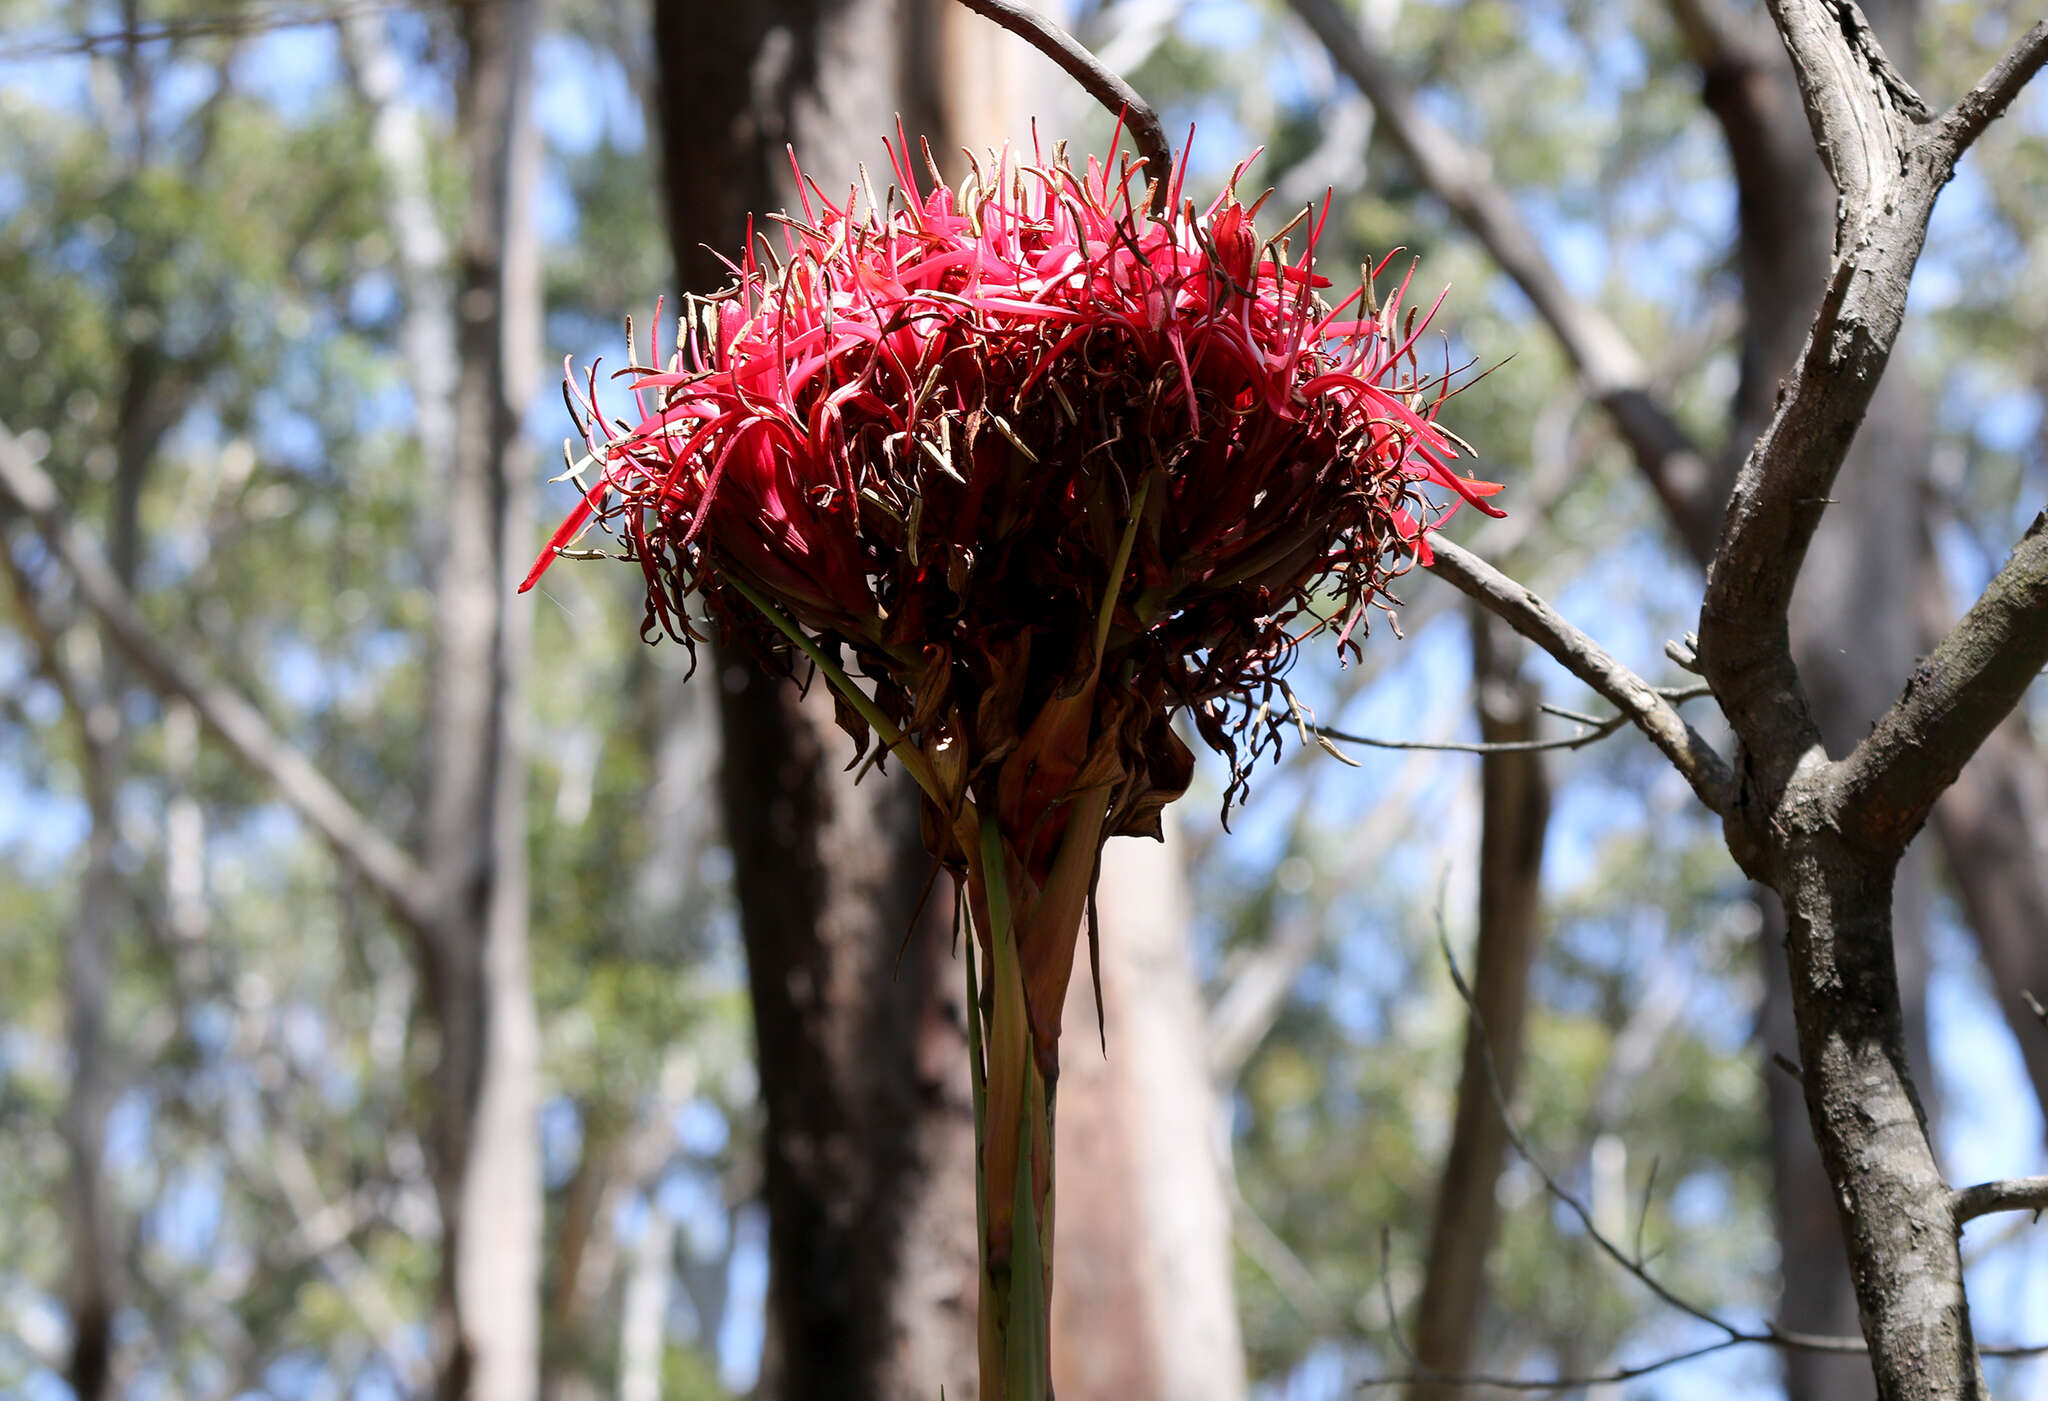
(1045, 471)
(1025, 471)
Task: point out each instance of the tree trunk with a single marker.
(93, 1280)
(869, 1142)
(1892, 1204)
(1853, 635)
(92, 1277)
(487, 1164)
(1143, 1305)
(862, 1065)
(1853, 620)
(1515, 817)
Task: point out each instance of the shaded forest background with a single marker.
(459, 1012)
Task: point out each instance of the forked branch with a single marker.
(1889, 167)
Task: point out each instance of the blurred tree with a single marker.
(868, 1142)
(1514, 819)
(467, 907)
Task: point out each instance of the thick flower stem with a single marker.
(1013, 1139)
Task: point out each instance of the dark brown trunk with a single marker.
(859, 1057)
(868, 1146)
(1515, 815)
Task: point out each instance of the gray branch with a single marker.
(2013, 1194)
(1953, 700)
(1646, 707)
(1888, 168)
(1096, 79)
(1613, 373)
(1983, 104)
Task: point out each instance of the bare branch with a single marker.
(2013, 1194)
(1953, 700)
(1613, 373)
(1557, 1189)
(1983, 104)
(1889, 171)
(1645, 706)
(1097, 79)
(1768, 1336)
(1540, 1385)
(1596, 733)
(395, 876)
(1593, 728)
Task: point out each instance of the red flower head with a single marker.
(1050, 468)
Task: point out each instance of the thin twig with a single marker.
(1099, 81)
(1598, 732)
(1596, 728)
(1422, 1376)
(1550, 1183)
(1769, 1336)
(1519, 606)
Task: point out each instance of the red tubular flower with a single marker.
(922, 433)
(1051, 470)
